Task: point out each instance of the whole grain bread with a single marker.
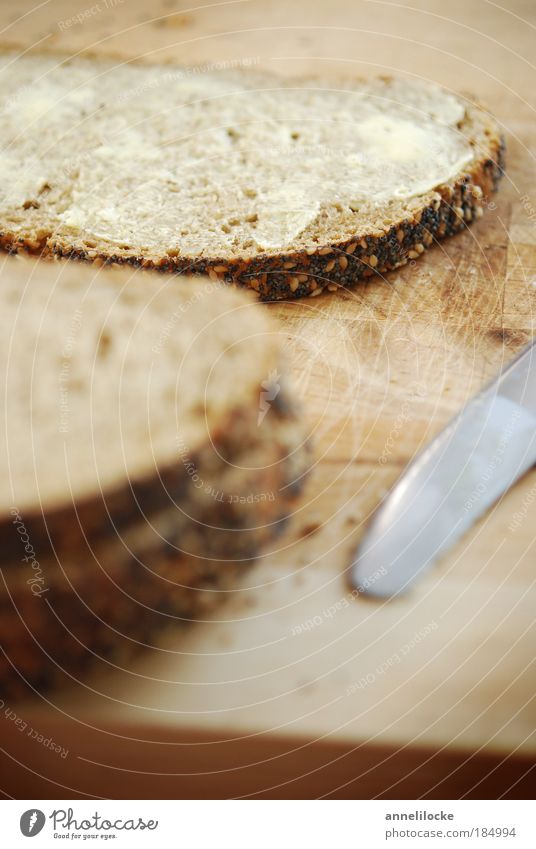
(287, 186)
(152, 446)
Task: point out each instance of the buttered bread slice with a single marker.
(289, 186)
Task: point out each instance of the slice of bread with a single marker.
(287, 186)
(151, 448)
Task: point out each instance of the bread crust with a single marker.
(105, 513)
(109, 589)
(325, 265)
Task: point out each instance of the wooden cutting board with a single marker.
(294, 687)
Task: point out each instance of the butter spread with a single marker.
(215, 162)
(295, 150)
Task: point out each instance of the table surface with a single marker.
(292, 663)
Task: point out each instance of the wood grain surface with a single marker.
(294, 687)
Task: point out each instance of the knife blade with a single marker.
(465, 469)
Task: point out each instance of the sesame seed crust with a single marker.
(311, 268)
(112, 585)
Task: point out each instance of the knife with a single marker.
(451, 483)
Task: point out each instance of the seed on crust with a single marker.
(316, 292)
(332, 287)
(479, 212)
(321, 251)
(293, 285)
(427, 238)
